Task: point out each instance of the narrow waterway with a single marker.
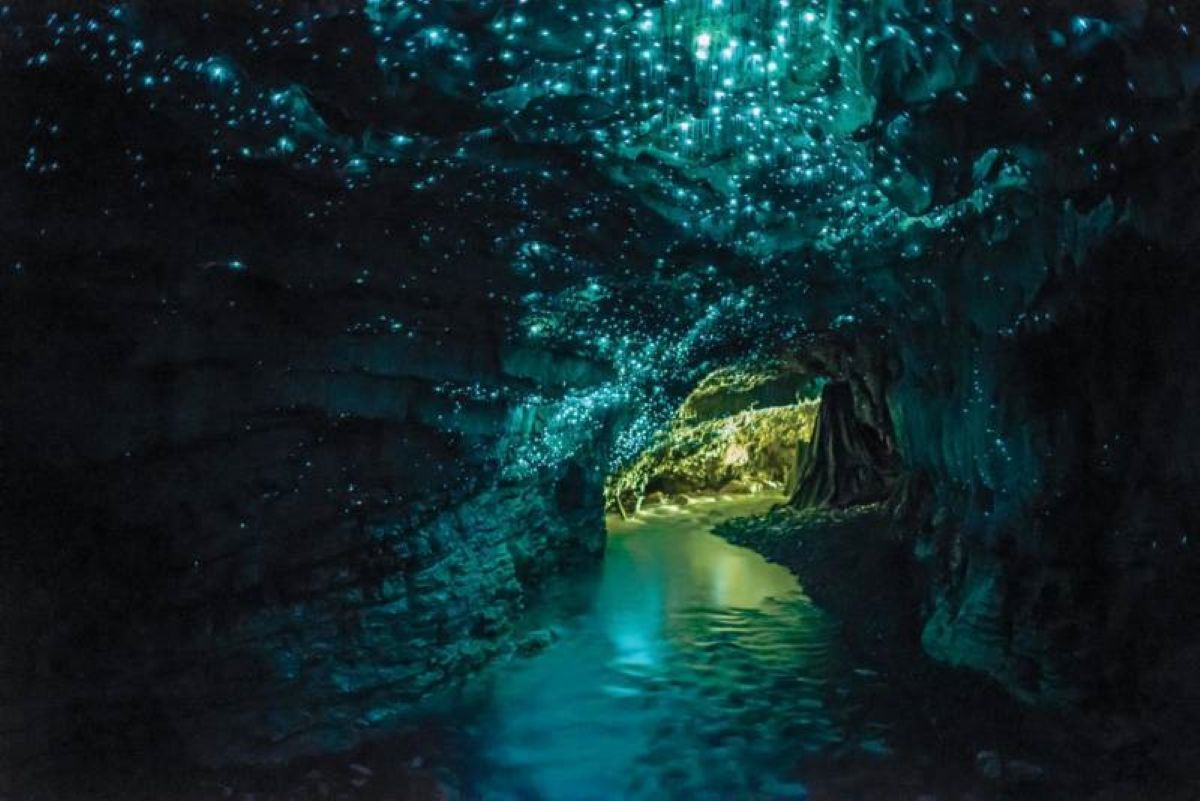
(689, 668)
(681, 667)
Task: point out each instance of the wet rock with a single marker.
(536, 641)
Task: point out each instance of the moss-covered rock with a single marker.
(720, 441)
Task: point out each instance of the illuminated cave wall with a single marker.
(739, 431)
(310, 308)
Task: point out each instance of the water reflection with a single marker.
(691, 668)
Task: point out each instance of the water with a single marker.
(687, 668)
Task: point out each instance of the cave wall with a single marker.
(255, 518)
(846, 462)
(1020, 339)
(1061, 458)
(1037, 312)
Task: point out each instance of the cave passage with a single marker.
(687, 667)
(744, 429)
(684, 665)
(387, 389)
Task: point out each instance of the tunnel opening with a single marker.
(738, 432)
(804, 429)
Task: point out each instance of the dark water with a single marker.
(683, 668)
(689, 668)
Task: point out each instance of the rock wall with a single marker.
(259, 533)
(1057, 535)
(846, 462)
(1036, 306)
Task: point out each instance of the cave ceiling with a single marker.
(656, 185)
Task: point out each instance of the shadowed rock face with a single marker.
(269, 534)
(323, 322)
(846, 462)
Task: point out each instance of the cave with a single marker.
(515, 399)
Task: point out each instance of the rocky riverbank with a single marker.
(962, 735)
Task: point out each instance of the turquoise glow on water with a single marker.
(687, 668)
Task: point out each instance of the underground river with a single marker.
(681, 667)
(688, 668)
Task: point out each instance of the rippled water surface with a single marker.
(688, 668)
